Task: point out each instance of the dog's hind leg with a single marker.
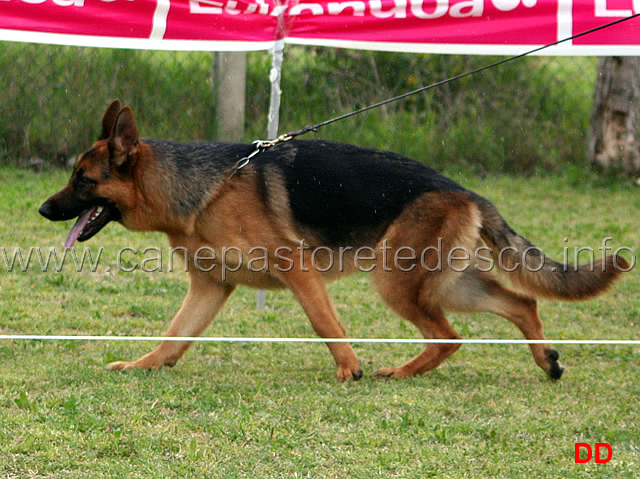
(481, 292)
(402, 293)
(432, 323)
(202, 303)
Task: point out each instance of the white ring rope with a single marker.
(205, 339)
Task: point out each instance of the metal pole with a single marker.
(274, 117)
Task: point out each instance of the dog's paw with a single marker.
(129, 366)
(121, 366)
(386, 373)
(144, 364)
(555, 368)
(152, 361)
(345, 373)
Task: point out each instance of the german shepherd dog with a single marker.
(300, 206)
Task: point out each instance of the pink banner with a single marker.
(79, 17)
(446, 26)
(590, 15)
(209, 20)
(492, 22)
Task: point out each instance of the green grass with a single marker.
(275, 410)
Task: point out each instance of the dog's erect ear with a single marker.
(109, 119)
(124, 138)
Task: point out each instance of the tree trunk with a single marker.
(229, 81)
(614, 142)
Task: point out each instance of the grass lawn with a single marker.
(276, 410)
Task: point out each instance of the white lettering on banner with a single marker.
(279, 10)
(264, 8)
(214, 6)
(336, 8)
(424, 9)
(60, 3)
(603, 10)
(230, 8)
(399, 11)
(314, 8)
(417, 8)
(470, 8)
(253, 8)
(508, 5)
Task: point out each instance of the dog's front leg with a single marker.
(202, 303)
(309, 288)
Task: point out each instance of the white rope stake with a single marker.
(36, 337)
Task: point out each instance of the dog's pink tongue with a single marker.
(77, 228)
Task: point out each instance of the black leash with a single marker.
(261, 145)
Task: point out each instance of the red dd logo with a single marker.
(598, 447)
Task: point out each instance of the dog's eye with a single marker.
(82, 180)
(88, 181)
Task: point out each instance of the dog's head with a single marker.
(101, 185)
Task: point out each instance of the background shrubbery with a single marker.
(527, 116)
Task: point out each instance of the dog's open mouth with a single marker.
(90, 222)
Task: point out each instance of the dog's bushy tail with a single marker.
(532, 272)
